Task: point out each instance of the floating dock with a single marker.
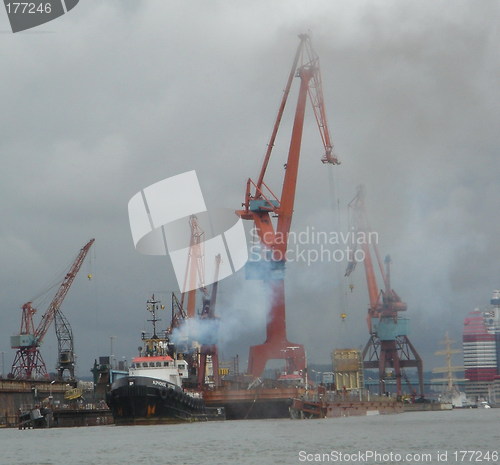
(42, 404)
(259, 403)
(324, 408)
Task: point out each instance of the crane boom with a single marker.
(315, 92)
(276, 126)
(64, 287)
(357, 207)
(194, 277)
(311, 85)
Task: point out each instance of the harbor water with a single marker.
(410, 438)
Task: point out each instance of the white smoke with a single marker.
(203, 331)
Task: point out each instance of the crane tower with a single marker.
(261, 204)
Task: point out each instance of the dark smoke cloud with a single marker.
(99, 109)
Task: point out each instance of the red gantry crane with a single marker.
(388, 346)
(261, 204)
(28, 362)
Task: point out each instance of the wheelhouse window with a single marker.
(145, 364)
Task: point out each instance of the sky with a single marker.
(117, 95)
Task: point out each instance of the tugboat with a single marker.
(152, 391)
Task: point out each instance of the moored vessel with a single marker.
(152, 391)
(328, 404)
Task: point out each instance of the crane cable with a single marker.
(42, 296)
(94, 285)
(337, 221)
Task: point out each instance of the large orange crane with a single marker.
(28, 362)
(388, 346)
(261, 204)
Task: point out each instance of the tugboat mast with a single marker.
(152, 306)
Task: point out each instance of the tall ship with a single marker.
(152, 392)
(450, 391)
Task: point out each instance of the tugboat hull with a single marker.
(143, 400)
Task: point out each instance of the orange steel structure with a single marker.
(194, 280)
(388, 346)
(261, 203)
(209, 349)
(28, 361)
(195, 270)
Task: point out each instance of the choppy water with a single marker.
(256, 442)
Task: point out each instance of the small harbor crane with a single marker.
(28, 362)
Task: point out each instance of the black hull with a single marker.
(136, 400)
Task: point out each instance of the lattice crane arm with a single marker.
(64, 287)
(315, 92)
